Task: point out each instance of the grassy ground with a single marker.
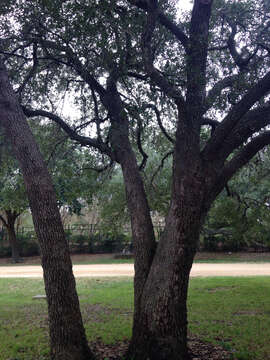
(233, 312)
(203, 257)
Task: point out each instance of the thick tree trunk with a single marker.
(161, 332)
(67, 334)
(142, 228)
(143, 237)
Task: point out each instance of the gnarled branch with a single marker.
(83, 140)
(217, 89)
(239, 60)
(251, 123)
(235, 115)
(139, 143)
(239, 160)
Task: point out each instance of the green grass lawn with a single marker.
(233, 312)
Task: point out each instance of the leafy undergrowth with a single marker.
(230, 316)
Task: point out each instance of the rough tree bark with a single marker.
(161, 332)
(141, 223)
(67, 334)
(160, 329)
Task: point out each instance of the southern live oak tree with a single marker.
(122, 61)
(67, 335)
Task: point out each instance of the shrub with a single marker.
(28, 244)
(221, 242)
(108, 242)
(79, 244)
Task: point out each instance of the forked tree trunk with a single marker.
(67, 334)
(161, 332)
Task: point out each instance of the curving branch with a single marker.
(160, 166)
(14, 53)
(54, 150)
(235, 115)
(239, 160)
(83, 140)
(75, 62)
(148, 58)
(157, 112)
(216, 90)
(100, 169)
(139, 143)
(254, 121)
(240, 61)
(174, 29)
(210, 122)
(165, 21)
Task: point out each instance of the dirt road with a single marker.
(236, 269)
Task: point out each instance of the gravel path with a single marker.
(109, 270)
